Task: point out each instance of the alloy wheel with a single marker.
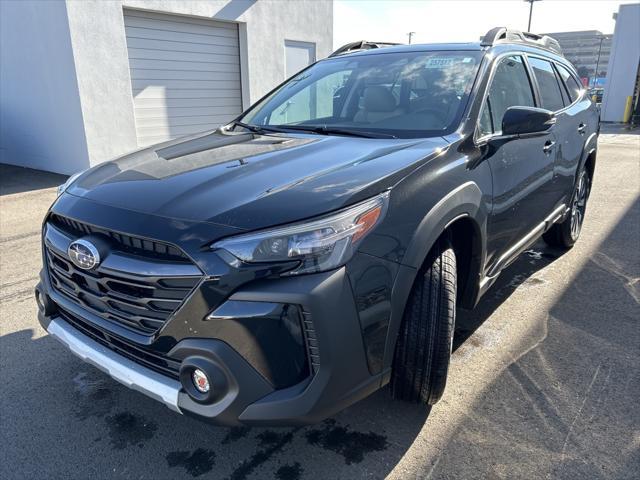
(579, 205)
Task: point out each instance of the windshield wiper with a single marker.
(259, 129)
(327, 130)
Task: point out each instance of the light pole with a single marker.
(595, 80)
(411, 34)
(530, 12)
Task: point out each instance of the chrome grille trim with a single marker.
(137, 292)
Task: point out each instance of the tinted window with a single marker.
(548, 83)
(485, 126)
(510, 88)
(569, 80)
(408, 94)
(311, 102)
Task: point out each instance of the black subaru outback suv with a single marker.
(286, 265)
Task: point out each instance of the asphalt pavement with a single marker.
(544, 380)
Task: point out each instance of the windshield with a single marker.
(408, 94)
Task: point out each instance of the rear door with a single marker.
(575, 123)
(554, 97)
(522, 169)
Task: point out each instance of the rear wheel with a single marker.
(566, 233)
(421, 359)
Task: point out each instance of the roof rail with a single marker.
(361, 45)
(504, 35)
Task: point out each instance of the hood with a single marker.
(252, 181)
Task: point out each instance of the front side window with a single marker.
(550, 93)
(510, 87)
(485, 125)
(408, 94)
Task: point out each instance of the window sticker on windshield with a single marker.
(440, 62)
(443, 62)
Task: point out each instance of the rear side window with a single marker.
(510, 88)
(573, 87)
(550, 93)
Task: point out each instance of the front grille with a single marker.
(139, 301)
(125, 243)
(143, 356)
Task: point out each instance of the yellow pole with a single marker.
(627, 110)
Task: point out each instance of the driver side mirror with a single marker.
(527, 120)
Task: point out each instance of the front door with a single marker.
(522, 169)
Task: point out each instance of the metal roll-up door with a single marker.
(185, 74)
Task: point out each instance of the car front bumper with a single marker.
(244, 396)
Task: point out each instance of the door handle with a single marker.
(548, 146)
(582, 128)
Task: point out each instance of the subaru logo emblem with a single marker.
(84, 254)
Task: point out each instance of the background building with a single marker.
(589, 52)
(84, 82)
(623, 72)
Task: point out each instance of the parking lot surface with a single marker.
(544, 380)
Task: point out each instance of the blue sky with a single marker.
(458, 20)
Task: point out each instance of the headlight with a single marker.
(319, 245)
(62, 188)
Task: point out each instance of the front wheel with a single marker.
(421, 358)
(566, 233)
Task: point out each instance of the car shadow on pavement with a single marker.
(72, 411)
(567, 405)
(520, 274)
(65, 412)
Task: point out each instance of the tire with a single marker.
(423, 349)
(566, 233)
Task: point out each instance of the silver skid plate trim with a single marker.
(125, 371)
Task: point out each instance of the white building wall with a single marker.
(82, 85)
(102, 68)
(623, 63)
(40, 115)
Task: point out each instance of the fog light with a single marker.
(200, 381)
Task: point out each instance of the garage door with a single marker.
(185, 74)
